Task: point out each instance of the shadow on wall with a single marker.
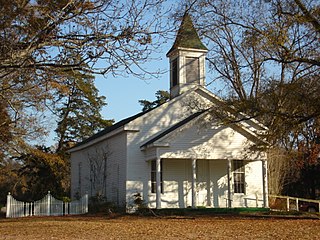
(211, 184)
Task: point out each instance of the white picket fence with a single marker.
(47, 206)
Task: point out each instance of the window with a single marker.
(174, 69)
(153, 177)
(238, 176)
(192, 70)
(79, 177)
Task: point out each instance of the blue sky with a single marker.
(123, 93)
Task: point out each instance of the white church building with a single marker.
(179, 154)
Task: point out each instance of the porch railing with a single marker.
(293, 203)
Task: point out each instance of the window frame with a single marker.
(239, 177)
(153, 176)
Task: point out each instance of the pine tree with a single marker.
(79, 114)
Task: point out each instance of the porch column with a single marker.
(158, 183)
(229, 183)
(194, 178)
(265, 183)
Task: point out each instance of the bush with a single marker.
(139, 204)
(99, 204)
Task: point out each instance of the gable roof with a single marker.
(109, 129)
(174, 127)
(121, 124)
(187, 36)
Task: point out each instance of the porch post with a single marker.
(265, 183)
(229, 183)
(194, 178)
(158, 183)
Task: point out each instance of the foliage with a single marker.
(306, 162)
(49, 53)
(257, 48)
(99, 204)
(162, 97)
(78, 111)
(46, 43)
(278, 168)
(266, 55)
(139, 204)
(42, 171)
(8, 178)
(6, 135)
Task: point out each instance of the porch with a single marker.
(210, 183)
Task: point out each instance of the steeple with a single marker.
(187, 59)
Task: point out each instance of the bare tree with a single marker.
(264, 56)
(278, 165)
(98, 163)
(257, 45)
(44, 43)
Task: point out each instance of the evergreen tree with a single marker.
(162, 97)
(41, 171)
(79, 114)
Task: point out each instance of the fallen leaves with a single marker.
(133, 227)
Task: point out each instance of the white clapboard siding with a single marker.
(113, 152)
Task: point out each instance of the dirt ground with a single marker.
(134, 227)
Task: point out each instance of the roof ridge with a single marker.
(111, 128)
(122, 123)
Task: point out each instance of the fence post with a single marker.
(288, 204)
(8, 208)
(86, 202)
(297, 204)
(48, 203)
(65, 204)
(31, 208)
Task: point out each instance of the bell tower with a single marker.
(187, 59)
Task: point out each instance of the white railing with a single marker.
(293, 203)
(47, 206)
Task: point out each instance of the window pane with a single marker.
(153, 166)
(154, 177)
(238, 176)
(174, 67)
(153, 187)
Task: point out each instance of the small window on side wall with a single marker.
(239, 176)
(154, 178)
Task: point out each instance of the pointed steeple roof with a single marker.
(187, 36)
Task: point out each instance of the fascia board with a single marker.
(218, 100)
